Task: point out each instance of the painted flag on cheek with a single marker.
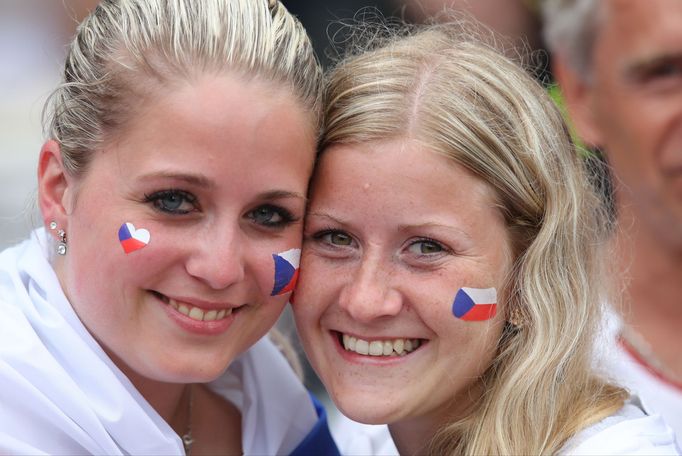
(286, 271)
(132, 239)
(475, 304)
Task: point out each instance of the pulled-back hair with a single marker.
(127, 49)
(444, 88)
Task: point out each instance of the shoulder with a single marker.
(629, 431)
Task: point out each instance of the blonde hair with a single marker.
(126, 49)
(442, 87)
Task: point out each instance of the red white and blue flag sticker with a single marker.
(475, 304)
(286, 271)
(132, 239)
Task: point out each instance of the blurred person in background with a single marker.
(619, 66)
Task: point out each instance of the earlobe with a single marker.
(53, 185)
(578, 97)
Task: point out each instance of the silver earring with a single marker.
(61, 247)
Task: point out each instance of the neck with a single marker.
(413, 435)
(168, 399)
(651, 304)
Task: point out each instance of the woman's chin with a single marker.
(367, 412)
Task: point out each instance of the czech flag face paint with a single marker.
(132, 239)
(286, 271)
(475, 304)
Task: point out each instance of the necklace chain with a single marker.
(187, 439)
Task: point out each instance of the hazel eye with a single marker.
(335, 238)
(176, 202)
(425, 247)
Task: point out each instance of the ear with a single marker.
(53, 185)
(578, 95)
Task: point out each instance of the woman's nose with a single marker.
(370, 293)
(218, 258)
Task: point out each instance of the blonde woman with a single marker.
(451, 270)
(172, 188)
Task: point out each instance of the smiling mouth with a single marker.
(193, 312)
(388, 347)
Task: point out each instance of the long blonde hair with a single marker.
(129, 50)
(451, 92)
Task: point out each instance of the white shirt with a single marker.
(61, 394)
(630, 431)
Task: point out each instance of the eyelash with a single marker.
(156, 199)
(425, 240)
(327, 231)
(319, 235)
(287, 217)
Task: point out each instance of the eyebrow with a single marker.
(193, 179)
(199, 180)
(637, 66)
(325, 215)
(281, 194)
(400, 227)
(434, 225)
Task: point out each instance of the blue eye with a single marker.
(271, 216)
(173, 201)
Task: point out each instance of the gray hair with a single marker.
(126, 49)
(570, 29)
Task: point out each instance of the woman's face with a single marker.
(394, 232)
(216, 173)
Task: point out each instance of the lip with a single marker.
(356, 358)
(207, 328)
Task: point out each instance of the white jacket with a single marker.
(61, 394)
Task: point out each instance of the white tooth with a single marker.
(388, 348)
(362, 347)
(398, 346)
(196, 314)
(351, 343)
(210, 315)
(376, 348)
(345, 341)
(220, 315)
(408, 345)
(183, 309)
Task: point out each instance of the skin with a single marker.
(381, 264)
(234, 183)
(632, 108)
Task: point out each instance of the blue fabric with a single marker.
(319, 441)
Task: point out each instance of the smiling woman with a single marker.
(180, 146)
(451, 268)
